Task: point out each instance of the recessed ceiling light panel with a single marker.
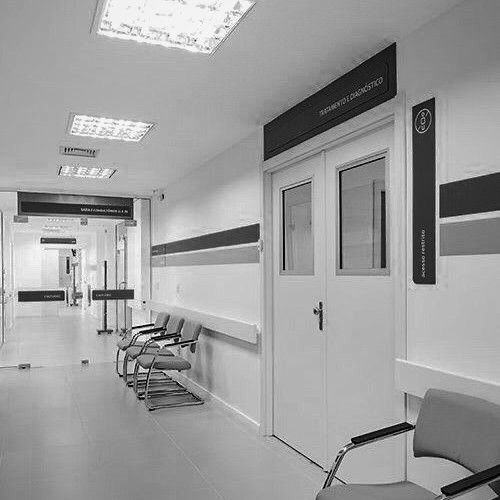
(86, 172)
(108, 128)
(194, 25)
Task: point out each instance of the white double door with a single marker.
(334, 271)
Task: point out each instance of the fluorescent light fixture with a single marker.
(194, 25)
(86, 172)
(108, 128)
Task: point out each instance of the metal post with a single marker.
(105, 328)
(74, 301)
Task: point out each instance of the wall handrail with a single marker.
(235, 328)
(415, 378)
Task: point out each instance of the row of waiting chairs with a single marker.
(150, 347)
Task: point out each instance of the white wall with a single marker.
(222, 194)
(454, 325)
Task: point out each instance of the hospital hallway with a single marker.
(78, 432)
(65, 339)
(249, 250)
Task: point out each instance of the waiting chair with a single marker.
(133, 339)
(462, 429)
(172, 330)
(163, 361)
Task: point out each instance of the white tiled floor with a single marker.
(56, 340)
(70, 433)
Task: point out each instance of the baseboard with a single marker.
(207, 395)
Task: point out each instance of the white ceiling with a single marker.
(51, 65)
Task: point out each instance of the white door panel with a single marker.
(298, 276)
(361, 343)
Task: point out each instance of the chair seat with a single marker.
(135, 350)
(124, 343)
(151, 353)
(392, 491)
(163, 362)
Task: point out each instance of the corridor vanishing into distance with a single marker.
(242, 239)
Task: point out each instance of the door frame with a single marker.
(2, 279)
(393, 111)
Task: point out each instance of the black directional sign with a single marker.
(71, 205)
(58, 241)
(113, 294)
(41, 295)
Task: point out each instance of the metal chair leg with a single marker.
(125, 368)
(146, 391)
(160, 390)
(168, 398)
(135, 376)
(117, 363)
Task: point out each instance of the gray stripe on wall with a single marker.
(477, 237)
(236, 255)
(158, 261)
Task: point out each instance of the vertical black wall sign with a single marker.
(424, 193)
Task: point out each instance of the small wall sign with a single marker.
(41, 295)
(113, 294)
(424, 193)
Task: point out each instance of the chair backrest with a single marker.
(463, 429)
(191, 331)
(174, 325)
(161, 319)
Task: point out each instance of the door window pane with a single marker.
(297, 235)
(362, 211)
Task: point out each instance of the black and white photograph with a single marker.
(249, 249)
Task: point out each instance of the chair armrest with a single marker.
(151, 331)
(471, 482)
(182, 343)
(141, 326)
(386, 432)
(363, 439)
(157, 339)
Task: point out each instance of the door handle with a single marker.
(318, 311)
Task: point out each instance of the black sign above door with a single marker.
(40, 295)
(366, 86)
(72, 205)
(113, 294)
(57, 241)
